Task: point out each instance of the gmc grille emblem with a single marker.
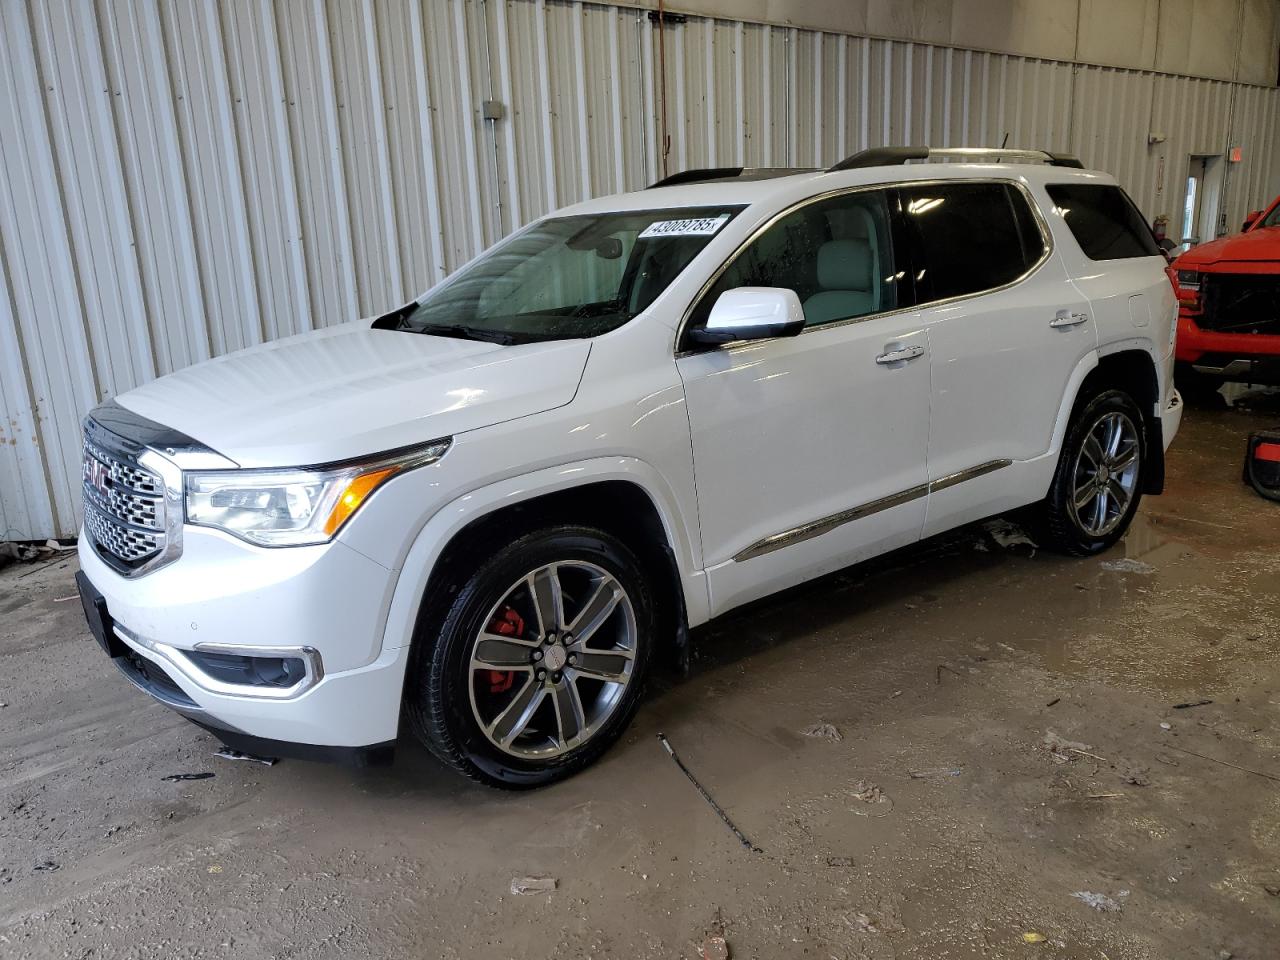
(97, 475)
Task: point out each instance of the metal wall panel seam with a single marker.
(865, 131)
(676, 92)
(58, 391)
(346, 250)
(161, 122)
(515, 209)
(948, 77)
(124, 339)
(236, 208)
(842, 97)
(24, 473)
(709, 100)
(381, 153)
(584, 114)
(468, 111)
(644, 59)
(615, 101)
(301, 297)
(544, 90)
(740, 90)
(886, 98)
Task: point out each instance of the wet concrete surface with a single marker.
(940, 824)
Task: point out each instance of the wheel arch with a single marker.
(1129, 367)
(616, 496)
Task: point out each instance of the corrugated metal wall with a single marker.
(182, 179)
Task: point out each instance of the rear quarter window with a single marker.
(969, 236)
(1104, 221)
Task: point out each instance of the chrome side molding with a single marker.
(971, 473)
(817, 528)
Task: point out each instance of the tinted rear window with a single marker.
(969, 237)
(1104, 221)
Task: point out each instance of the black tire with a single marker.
(440, 689)
(1062, 529)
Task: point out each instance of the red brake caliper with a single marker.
(507, 624)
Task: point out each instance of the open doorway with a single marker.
(1200, 201)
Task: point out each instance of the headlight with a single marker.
(1189, 279)
(286, 508)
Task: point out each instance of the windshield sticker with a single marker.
(694, 227)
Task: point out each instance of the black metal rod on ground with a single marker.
(742, 837)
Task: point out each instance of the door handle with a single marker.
(900, 355)
(1065, 319)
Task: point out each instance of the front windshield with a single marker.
(1273, 218)
(566, 277)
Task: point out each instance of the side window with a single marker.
(1104, 221)
(969, 237)
(836, 254)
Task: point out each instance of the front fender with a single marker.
(452, 517)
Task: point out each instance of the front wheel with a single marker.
(537, 666)
(1097, 486)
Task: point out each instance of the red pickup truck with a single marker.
(1229, 317)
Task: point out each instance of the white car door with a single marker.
(1006, 328)
(809, 451)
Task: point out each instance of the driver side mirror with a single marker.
(751, 313)
(1251, 219)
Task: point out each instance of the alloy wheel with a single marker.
(1105, 478)
(551, 664)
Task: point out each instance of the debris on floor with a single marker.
(839, 861)
(871, 795)
(868, 792)
(1033, 937)
(1007, 534)
(1127, 565)
(1192, 703)
(824, 731)
(715, 948)
(1135, 775)
(173, 777)
(935, 774)
(742, 837)
(46, 866)
(530, 886)
(1061, 749)
(1101, 902)
(226, 753)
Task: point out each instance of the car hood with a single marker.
(1257, 245)
(350, 391)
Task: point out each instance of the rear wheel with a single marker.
(1097, 486)
(537, 666)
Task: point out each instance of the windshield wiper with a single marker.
(463, 332)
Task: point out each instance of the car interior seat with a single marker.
(848, 280)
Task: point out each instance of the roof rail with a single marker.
(728, 173)
(880, 157)
(893, 156)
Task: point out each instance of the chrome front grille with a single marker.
(124, 506)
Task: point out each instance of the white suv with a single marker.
(490, 510)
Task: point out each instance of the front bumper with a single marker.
(1247, 357)
(329, 600)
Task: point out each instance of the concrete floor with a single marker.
(944, 668)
